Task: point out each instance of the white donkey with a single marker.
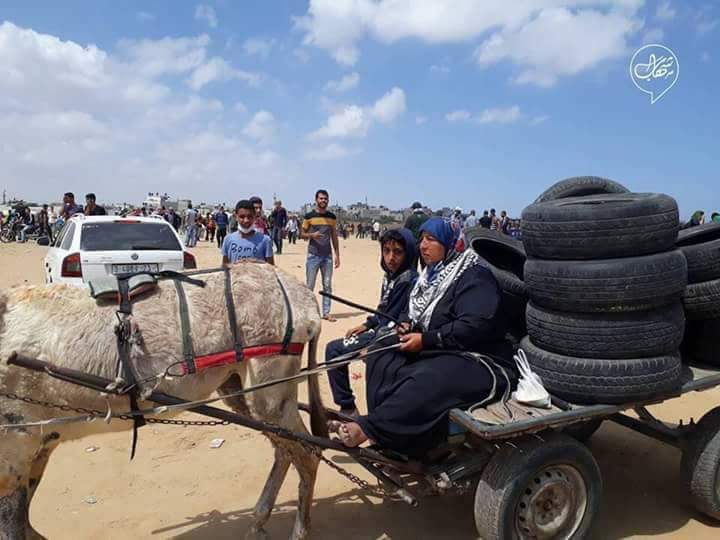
(65, 326)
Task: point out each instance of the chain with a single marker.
(364, 485)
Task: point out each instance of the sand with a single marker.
(177, 487)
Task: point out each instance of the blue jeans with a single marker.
(339, 377)
(191, 236)
(325, 265)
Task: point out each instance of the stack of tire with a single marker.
(605, 282)
(505, 257)
(701, 247)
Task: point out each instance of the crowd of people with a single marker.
(698, 218)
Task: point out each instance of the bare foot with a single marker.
(329, 318)
(352, 435)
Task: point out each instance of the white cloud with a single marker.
(354, 121)
(652, 35)
(218, 69)
(348, 82)
(390, 106)
(705, 22)
(329, 152)
(301, 55)
(145, 16)
(240, 108)
(206, 13)
(546, 38)
(420, 120)
(438, 69)
(705, 56)
(664, 12)
(261, 127)
(76, 117)
(259, 47)
(536, 121)
(460, 115)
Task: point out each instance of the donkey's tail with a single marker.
(318, 415)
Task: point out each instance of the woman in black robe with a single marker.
(452, 313)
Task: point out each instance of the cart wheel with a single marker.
(700, 465)
(538, 488)
(583, 432)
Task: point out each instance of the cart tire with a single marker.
(617, 285)
(701, 341)
(549, 485)
(582, 432)
(580, 186)
(608, 335)
(601, 226)
(591, 380)
(701, 247)
(700, 465)
(702, 300)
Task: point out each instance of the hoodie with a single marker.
(395, 292)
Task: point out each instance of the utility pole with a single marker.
(4, 193)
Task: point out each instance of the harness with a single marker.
(127, 334)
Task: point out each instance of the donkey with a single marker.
(63, 325)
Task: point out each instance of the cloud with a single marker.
(217, 69)
(301, 55)
(547, 39)
(439, 69)
(240, 108)
(329, 152)
(144, 16)
(261, 128)
(652, 35)
(259, 47)
(458, 116)
(206, 14)
(348, 82)
(664, 12)
(705, 56)
(77, 117)
(420, 120)
(704, 21)
(536, 121)
(390, 106)
(488, 116)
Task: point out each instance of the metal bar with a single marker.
(655, 430)
(360, 307)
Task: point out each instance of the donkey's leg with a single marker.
(266, 502)
(37, 469)
(15, 457)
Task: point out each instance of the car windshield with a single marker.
(128, 236)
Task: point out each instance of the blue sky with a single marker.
(451, 102)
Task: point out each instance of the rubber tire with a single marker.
(500, 250)
(580, 186)
(601, 226)
(583, 431)
(702, 342)
(612, 285)
(701, 247)
(511, 471)
(702, 301)
(700, 465)
(591, 381)
(608, 335)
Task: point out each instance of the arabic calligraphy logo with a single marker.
(654, 69)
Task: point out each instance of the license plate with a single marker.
(135, 268)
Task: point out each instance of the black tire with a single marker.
(608, 335)
(520, 477)
(701, 247)
(583, 431)
(612, 285)
(7, 236)
(702, 301)
(700, 466)
(508, 281)
(591, 381)
(580, 186)
(600, 226)
(702, 342)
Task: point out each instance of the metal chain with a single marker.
(378, 491)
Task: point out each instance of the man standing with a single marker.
(292, 229)
(376, 230)
(91, 208)
(44, 223)
(494, 221)
(247, 242)
(261, 223)
(279, 221)
(319, 227)
(504, 222)
(191, 217)
(69, 206)
(416, 219)
(485, 221)
(221, 221)
(471, 220)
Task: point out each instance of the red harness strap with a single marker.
(229, 357)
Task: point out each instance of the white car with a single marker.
(94, 247)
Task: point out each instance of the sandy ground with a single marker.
(177, 487)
